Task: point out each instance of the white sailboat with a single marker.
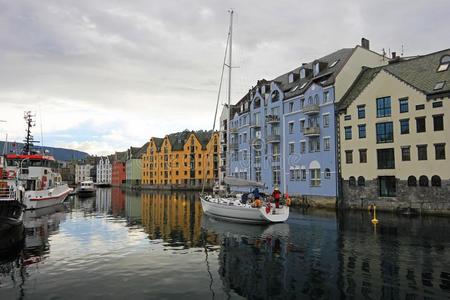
(232, 208)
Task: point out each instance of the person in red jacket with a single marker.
(276, 196)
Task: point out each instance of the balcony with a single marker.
(273, 138)
(255, 124)
(272, 119)
(311, 109)
(311, 131)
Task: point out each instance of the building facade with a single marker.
(104, 171)
(133, 165)
(83, 172)
(118, 172)
(183, 159)
(393, 136)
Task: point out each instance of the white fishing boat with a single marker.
(86, 189)
(31, 177)
(232, 208)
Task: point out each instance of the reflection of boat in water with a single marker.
(86, 189)
(244, 230)
(38, 226)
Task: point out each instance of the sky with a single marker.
(105, 75)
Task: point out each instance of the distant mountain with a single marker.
(60, 154)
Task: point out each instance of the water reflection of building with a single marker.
(117, 201)
(402, 258)
(172, 217)
(103, 200)
(133, 206)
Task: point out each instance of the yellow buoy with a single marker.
(374, 220)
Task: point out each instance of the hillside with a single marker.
(60, 154)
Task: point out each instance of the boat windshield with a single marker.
(31, 163)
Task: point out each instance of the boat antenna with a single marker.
(224, 64)
(29, 140)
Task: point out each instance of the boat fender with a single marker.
(288, 201)
(268, 207)
(11, 174)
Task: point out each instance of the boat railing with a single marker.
(7, 193)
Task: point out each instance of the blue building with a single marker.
(284, 132)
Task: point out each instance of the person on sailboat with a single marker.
(276, 196)
(256, 196)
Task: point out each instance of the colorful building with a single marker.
(133, 165)
(104, 171)
(394, 136)
(118, 173)
(183, 159)
(83, 172)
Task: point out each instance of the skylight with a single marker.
(334, 63)
(294, 88)
(443, 67)
(445, 63)
(303, 85)
(439, 85)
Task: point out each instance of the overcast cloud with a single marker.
(105, 75)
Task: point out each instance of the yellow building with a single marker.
(394, 135)
(183, 159)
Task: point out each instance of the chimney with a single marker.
(365, 43)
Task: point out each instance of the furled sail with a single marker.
(233, 181)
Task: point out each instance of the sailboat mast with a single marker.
(229, 93)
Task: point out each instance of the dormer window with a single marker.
(275, 95)
(291, 78)
(445, 63)
(316, 68)
(334, 63)
(302, 73)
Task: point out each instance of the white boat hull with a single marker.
(46, 198)
(245, 214)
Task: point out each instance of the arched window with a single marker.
(327, 173)
(412, 181)
(361, 181)
(316, 99)
(352, 181)
(436, 181)
(257, 103)
(423, 180)
(275, 96)
(310, 100)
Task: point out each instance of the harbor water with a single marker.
(159, 245)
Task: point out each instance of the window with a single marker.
(302, 73)
(245, 138)
(362, 131)
(348, 132)
(361, 111)
(315, 177)
(349, 156)
(334, 63)
(361, 181)
(291, 148)
(445, 62)
(436, 181)
(363, 156)
(291, 175)
(385, 132)
(291, 127)
(386, 159)
(406, 153)
(302, 146)
(420, 124)
(326, 120)
(439, 150)
(327, 173)
(297, 174)
(420, 106)
(326, 97)
(412, 181)
(439, 85)
(316, 99)
(387, 186)
(383, 107)
(302, 125)
(352, 181)
(422, 152)
(437, 104)
(347, 117)
(316, 68)
(303, 174)
(291, 106)
(403, 105)
(438, 122)
(404, 126)
(314, 144)
(326, 144)
(423, 180)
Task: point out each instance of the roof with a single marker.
(158, 142)
(204, 137)
(419, 72)
(178, 139)
(142, 150)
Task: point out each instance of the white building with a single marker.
(104, 171)
(83, 172)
